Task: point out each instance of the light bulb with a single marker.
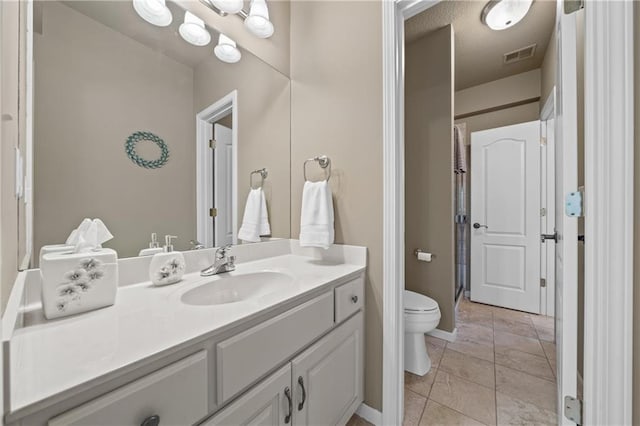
(228, 6)
(154, 12)
(258, 20)
(226, 50)
(194, 31)
(502, 14)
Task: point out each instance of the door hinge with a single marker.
(573, 409)
(213, 212)
(543, 282)
(212, 143)
(571, 6)
(543, 212)
(573, 204)
(543, 141)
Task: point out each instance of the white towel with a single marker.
(316, 221)
(255, 221)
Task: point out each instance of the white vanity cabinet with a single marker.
(321, 386)
(300, 364)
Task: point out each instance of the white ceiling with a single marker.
(121, 17)
(479, 50)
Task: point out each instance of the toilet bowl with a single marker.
(421, 315)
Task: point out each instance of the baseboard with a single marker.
(467, 294)
(369, 414)
(449, 336)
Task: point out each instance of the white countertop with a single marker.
(53, 357)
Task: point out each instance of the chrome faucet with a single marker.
(223, 263)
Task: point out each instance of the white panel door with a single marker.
(567, 227)
(505, 210)
(222, 180)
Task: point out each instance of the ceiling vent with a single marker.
(520, 54)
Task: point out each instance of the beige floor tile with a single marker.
(475, 333)
(509, 314)
(467, 306)
(420, 384)
(515, 326)
(550, 352)
(478, 350)
(514, 412)
(543, 321)
(531, 364)
(413, 407)
(545, 333)
(435, 341)
(525, 387)
(356, 420)
(435, 353)
(440, 415)
(481, 318)
(468, 367)
(505, 341)
(468, 398)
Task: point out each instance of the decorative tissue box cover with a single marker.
(78, 282)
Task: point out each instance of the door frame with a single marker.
(547, 174)
(204, 166)
(608, 176)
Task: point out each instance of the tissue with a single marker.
(92, 238)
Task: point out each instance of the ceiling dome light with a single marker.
(226, 50)
(154, 12)
(194, 31)
(228, 6)
(502, 14)
(258, 20)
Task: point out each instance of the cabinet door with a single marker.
(267, 404)
(328, 377)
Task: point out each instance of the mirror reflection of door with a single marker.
(222, 178)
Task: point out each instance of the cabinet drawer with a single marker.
(349, 298)
(176, 393)
(246, 357)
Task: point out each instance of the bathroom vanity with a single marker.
(277, 341)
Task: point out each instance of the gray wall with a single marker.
(429, 176)
(80, 167)
(264, 126)
(336, 105)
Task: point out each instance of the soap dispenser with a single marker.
(154, 247)
(167, 267)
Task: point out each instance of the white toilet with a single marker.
(421, 315)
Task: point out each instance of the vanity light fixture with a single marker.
(154, 12)
(226, 50)
(194, 31)
(228, 6)
(503, 14)
(258, 20)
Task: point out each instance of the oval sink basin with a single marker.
(238, 288)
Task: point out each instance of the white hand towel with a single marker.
(255, 221)
(316, 221)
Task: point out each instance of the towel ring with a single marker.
(322, 160)
(263, 175)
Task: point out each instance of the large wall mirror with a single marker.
(124, 112)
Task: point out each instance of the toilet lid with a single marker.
(418, 302)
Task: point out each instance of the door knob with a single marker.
(545, 237)
(478, 226)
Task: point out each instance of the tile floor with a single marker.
(500, 371)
